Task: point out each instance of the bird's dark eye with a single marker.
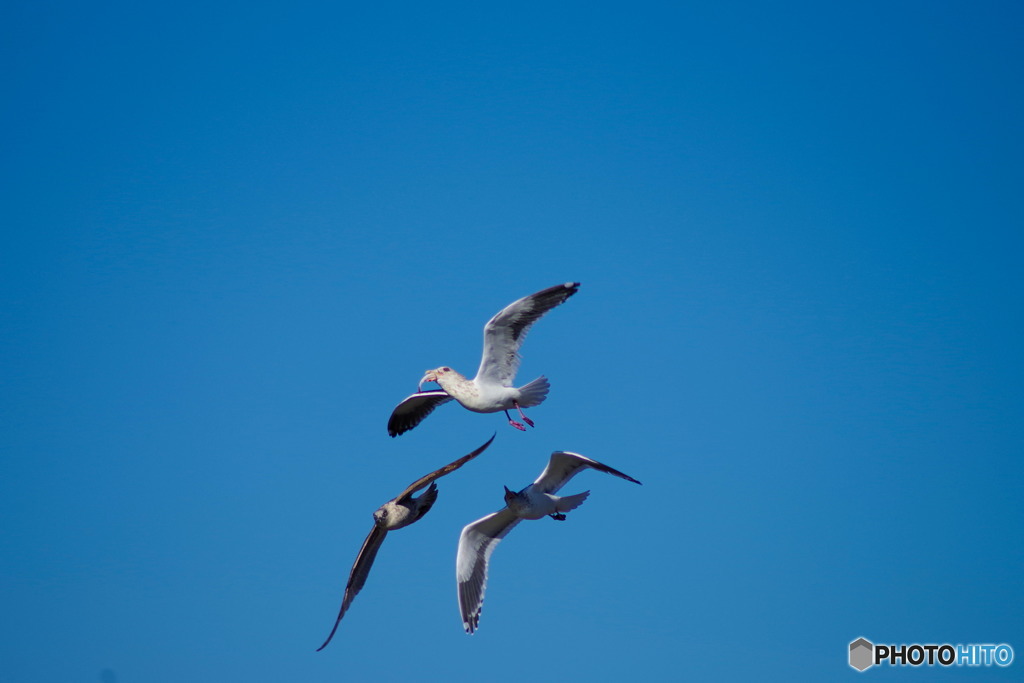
(446, 369)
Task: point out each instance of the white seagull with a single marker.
(491, 390)
(537, 500)
(394, 514)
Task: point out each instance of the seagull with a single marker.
(491, 390)
(398, 512)
(536, 501)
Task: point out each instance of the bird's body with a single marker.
(401, 511)
(538, 500)
(487, 397)
(491, 391)
(531, 503)
(396, 514)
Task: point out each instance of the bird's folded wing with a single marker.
(357, 577)
(476, 543)
(505, 332)
(413, 409)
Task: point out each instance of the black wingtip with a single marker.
(396, 426)
(400, 426)
(333, 631)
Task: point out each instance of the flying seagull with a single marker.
(398, 512)
(537, 500)
(491, 390)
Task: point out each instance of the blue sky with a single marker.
(237, 235)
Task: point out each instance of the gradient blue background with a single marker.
(235, 236)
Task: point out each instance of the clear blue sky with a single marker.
(235, 237)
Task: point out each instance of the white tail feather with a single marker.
(566, 503)
(534, 393)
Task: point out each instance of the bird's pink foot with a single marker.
(523, 415)
(517, 425)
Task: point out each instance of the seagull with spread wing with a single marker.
(491, 390)
(536, 501)
(398, 512)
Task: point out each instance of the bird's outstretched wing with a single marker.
(357, 577)
(563, 466)
(476, 543)
(505, 332)
(413, 409)
(447, 469)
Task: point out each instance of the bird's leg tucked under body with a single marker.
(558, 516)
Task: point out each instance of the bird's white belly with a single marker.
(491, 399)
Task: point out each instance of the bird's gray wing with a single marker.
(563, 466)
(357, 577)
(413, 409)
(505, 332)
(476, 543)
(447, 469)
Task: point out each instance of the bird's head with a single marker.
(510, 495)
(380, 516)
(433, 375)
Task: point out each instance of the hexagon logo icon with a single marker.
(862, 654)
